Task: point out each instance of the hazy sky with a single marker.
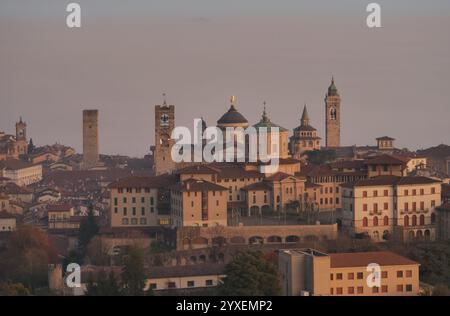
(393, 81)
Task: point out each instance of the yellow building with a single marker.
(140, 201)
(62, 217)
(310, 272)
(198, 203)
(387, 206)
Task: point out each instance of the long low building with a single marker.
(381, 273)
(20, 172)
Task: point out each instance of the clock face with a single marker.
(164, 120)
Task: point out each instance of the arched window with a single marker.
(414, 220)
(375, 221)
(333, 114)
(386, 221)
(422, 220)
(365, 222)
(406, 221)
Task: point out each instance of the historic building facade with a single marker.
(13, 146)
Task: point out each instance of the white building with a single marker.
(19, 172)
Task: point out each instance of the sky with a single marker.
(392, 80)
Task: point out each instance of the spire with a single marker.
(232, 102)
(264, 114)
(332, 90)
(305, 117)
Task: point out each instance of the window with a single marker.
(400, 288)
(375, 207)
(351, 290)
(134, 210)
(209, 282)
(190, 283)
(364, 193)
(153, 286)
(133, 199)
(331, 276)
(399, 274)
(414, 192)
(331, 291)
(422, 206)
(359, 275)
(338, 276)
(384, 274)
(171, 285)
(386, 221)
(134, 221)
(365, 222)
(142, 210)
(351, 276)
(142, 199)
(365, 207)
(433, 203)
(124, 200)
(386, 206)
(339, 291)
(385, 168)
(125, 211)
(433, 190)
(422, 191)
(124, 221)
(384, 288)
(408, 273)
(408, 287)
(375, 289)
(143, 221)
(360, 290)
(386, 192)
(375, 193)
(406, 192)
(115, 210)
(115, 201)
(375, 221)
(151, 200)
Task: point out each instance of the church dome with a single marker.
(232, 116)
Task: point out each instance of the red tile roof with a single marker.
(193, 185)
(363, 259)
(391, 180)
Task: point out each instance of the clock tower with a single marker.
(21, 137)
(333, 116)
(164, 124)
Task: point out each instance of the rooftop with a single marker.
(363, 259)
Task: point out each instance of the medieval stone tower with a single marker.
(21, 137)
(90, 139)
(164, 124)
(333, 116)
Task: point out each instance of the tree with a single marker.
(26, 257)
(249, 274)
(133, 272)
(88, 229)
(31, 147)
(104, 286)
(440, 290)
(13, 289)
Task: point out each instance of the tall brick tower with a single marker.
(90, 139)
(333, 116)
(21, 137)
(164, 124)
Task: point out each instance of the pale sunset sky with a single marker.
(393, 80)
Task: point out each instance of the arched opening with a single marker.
(422, 220)
(414, 220)
(186, 243)
(274, 239)
(406, 221)
(254, 210)
(419, 235)
(375, 221)
(292, 238)
(365, 222)
(255, 240)
(386, 221)
(219, 241)
(411, 235)
(265, 209)
(427, 234)
(193, 259)
(237, 240)
(386, 235)
(376, 235)
(202, 258)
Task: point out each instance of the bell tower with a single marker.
(21, 137)
(333, 116)
(164, 124)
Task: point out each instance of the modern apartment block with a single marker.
(307, 272)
